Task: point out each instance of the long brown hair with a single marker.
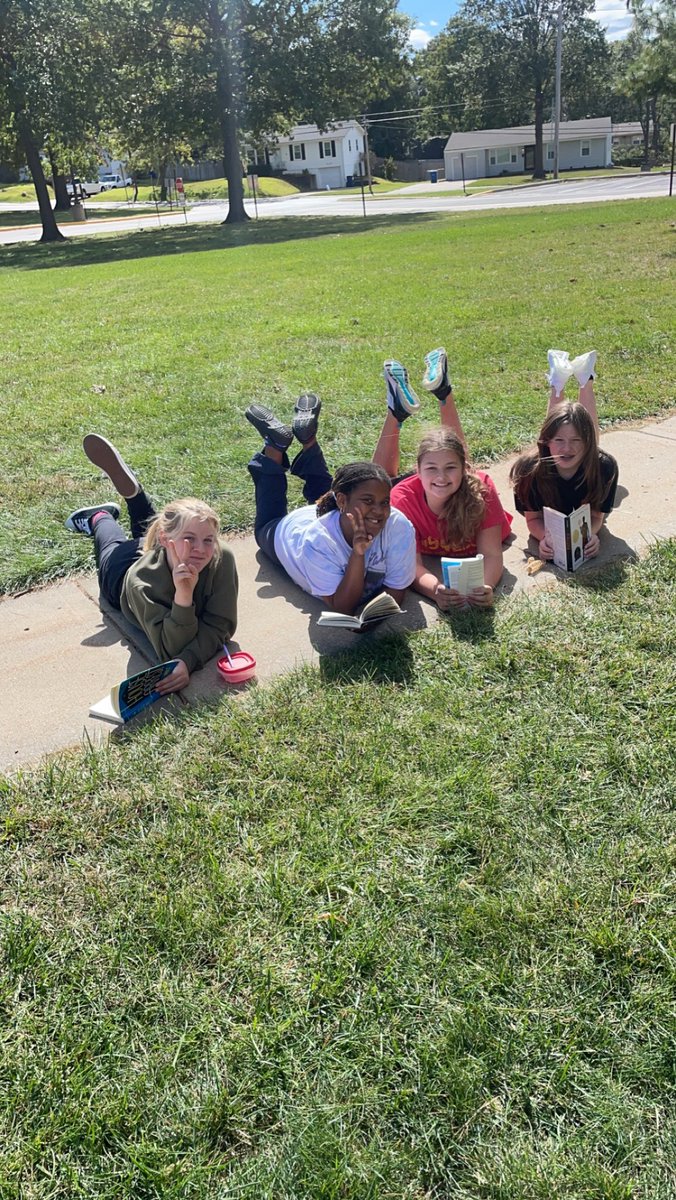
(539, 466)
(346, 479)
(463, 512)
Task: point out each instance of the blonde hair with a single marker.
(463, 512)
(175, 516)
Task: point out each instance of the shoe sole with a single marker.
(305, 427)
(264, 420)
(407, 398)
(103, 455)
(431, 384)
(308, 403)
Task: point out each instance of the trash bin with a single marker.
(349, 182)
(434, 175)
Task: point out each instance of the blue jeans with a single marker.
(270, 485)
(115, 552)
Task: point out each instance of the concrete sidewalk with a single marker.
(59, 653)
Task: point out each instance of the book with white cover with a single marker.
(463, 574)
(568, 535)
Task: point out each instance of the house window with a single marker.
(584, 149)
(297, 151)
(327, 150)
(636, 141)
(514, 158)
(501, 157)
(349, 145)
(550, 152)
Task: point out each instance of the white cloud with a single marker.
(613, 16)
(418, 39)
(434, 24)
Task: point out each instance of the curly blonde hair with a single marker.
(174, 518)
(463, 512)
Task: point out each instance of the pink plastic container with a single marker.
(243, 667)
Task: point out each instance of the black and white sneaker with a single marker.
(104, 455)
(306, 419)
(80, 521)
(273, 431)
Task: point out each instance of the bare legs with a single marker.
(386, 453)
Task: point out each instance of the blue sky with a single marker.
(430, 16)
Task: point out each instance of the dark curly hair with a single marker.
(346, 479)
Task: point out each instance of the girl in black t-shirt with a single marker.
(567, 468)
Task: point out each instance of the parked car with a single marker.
(84, 186)
(114, 180)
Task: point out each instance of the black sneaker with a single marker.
(104, 455)
(80, 521)
(306, 420)
(273, 432)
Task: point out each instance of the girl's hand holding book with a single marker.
(592, 546)
(481, 597)
(546, 550)
(179, 678)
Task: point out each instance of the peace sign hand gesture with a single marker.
(184, 574)
(361, 540)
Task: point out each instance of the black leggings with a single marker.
(115, 552)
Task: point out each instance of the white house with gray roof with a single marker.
(330, 157)
(491, 152)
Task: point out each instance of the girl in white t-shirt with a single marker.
(347, 543)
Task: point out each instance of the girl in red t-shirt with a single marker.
(455, 510)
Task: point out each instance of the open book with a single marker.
(463, 574)
(132, 695)
(376, 610)
(568, 535)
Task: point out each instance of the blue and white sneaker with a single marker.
(436, 371)
(560, 370)
(80, 521)
(401, 399)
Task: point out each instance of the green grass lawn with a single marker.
(186, 326)
(432, 962)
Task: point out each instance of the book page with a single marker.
(463, 574)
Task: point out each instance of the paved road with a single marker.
(419, 198)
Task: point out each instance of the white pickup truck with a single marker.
(114, 180)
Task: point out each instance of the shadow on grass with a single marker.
(195, 239)
(386, 659)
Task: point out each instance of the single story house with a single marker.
(488, 152)
(627, 133)
(331, 157)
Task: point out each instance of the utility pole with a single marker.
(367, 154)
(557, 94)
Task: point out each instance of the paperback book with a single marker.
(463, 574)
(568, 535)
(376, 610)
(132, 695)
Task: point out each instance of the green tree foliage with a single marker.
(645, 78)
(51, 63)
(494, 63)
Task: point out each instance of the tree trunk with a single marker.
(232, 163)
(59, 181)
(50, 229)
(539, 172)
(163, 180)
(656, 129)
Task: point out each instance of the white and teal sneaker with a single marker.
(560, 369)
(401, 399)
(436, 371)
